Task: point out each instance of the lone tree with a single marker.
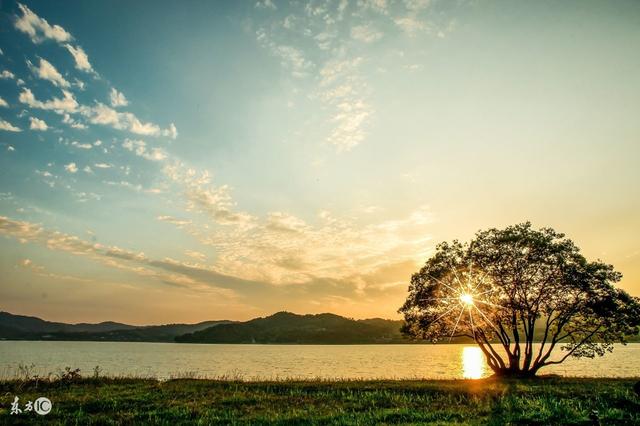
(509, 288)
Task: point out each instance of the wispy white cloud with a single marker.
(117, 98)
(290, 57)
(266, 4)
(38, 29)
(7, 75)
(196, 255)
(379, 6)
(5, 125)
(67, 119)
(67, 104)
(71, 167)
(105, 115)
(37, 124)
(171, 131)
(3, 103)
(81, 145)
(42, 271)
(340, 84)
(365, 33)
(342, 88)
(167, 270)
(173, 220)
(416, 5)
(139, 147)
(283, 249)
(80, 57)
(203, 197)
(410, 24)
(48, 72)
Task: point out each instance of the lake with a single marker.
(165, 360)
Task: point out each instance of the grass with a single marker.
(541, 401)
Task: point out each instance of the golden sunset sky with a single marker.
(185, 161)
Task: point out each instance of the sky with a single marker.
(166, 161)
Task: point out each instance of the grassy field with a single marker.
(193, 401)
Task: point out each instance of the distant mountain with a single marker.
(32, 324)
(19, 327)
(286, 327)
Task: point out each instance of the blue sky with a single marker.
(170, 161)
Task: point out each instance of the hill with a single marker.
(20, 327)
(27, 324)
(286, 327)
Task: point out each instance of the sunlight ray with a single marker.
(490, 304)
(456, 326)
(441, 316)
(488, 320)
(444, 284)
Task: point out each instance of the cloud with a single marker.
(286, 250)
(71, 167)
(117, 98)
(290, 57)
(173, 220)
(203, 197)
(41, 270)
(3, 103)
(342, 89)
(340, 83)
(67, 119)
(139, 147)
(283, 222)
(67, 104)
(37, 124)
(365, 33)
(196, 255)
(103, 166)
(81, 145)
(38, 29)
(81, 58)
(410, 25)
(171, 132)
(350, 118)
(45, 174)
(417, 5)
(5, 125)
(48, 72)
(265, 4)
(7, 75)
(107, 116)
(167, 271)
(379, 6)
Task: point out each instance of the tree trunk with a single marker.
(514, 373)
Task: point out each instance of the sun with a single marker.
(466, 299)
(465, 295)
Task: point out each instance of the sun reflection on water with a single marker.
(472, 362)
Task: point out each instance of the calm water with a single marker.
(164, 360)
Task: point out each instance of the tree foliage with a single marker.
(509, 288)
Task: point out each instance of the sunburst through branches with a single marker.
(464, 303)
